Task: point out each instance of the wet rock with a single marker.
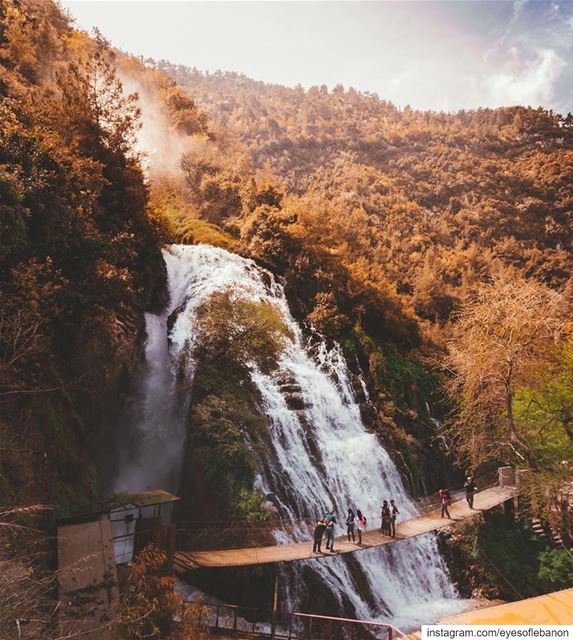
(172, 319)
(159, 295)
(295, 401)
(358, 389)
(368, 414)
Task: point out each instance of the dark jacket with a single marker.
(319, 530)
(470, 487)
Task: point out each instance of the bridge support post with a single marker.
(506, 476)
(522, 479)
(275, 606)
(509, 508)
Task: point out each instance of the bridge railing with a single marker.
(233, 619)
(228, 534)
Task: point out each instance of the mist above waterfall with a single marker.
(159, 142)
(321, 457)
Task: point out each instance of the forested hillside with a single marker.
(437, 186)
(386, 224)
(383, 222)
(80, 262)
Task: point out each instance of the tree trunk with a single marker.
(513, 431)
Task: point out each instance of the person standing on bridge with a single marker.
(318, 533)
(393, 513)
(445, 502)
(385, 516)
(360, 525)
(330, 520)
(470, 488)
(350, 525)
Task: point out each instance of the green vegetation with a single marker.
(228, 436)
(194, 231)
(242, 331)
(497, 557)
(80, 259)
(546, 408)
(405, 387)
(227, 433)
(248, 506)
(226, 441)
(556, 569)
(177, 220)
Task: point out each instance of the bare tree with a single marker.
(19, 336)
(26, 585)
(21, 342)
(506, 332)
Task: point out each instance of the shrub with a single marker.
(149, 604)
(241, 331)
(556, 569)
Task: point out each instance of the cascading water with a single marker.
(323, 457)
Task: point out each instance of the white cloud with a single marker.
(431, 55)
(532, 84)
(516, 12)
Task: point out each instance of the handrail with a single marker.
(287, 628)
(204, 535)
(210, 535)
(373, 623)
(424, 503)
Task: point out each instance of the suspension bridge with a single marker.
(431, 521)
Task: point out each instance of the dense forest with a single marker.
(80, 256)
(403, 234)
(435, 248)
(80, 262)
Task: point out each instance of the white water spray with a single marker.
(323, 457)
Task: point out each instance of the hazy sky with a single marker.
(432, 55)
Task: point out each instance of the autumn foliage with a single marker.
(508, 336)
(149, 604)
(435, 248)
(394, 223)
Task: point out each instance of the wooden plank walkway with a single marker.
(87, 580)
(432, 521)
(552, 608)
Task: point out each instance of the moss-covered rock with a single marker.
(404, 392)
(228, 436)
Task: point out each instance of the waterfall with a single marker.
(322, 455)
